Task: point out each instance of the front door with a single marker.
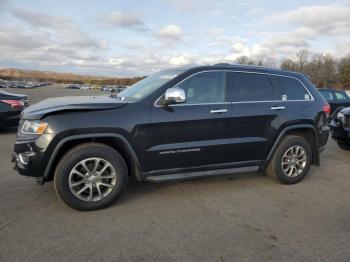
(193, 133)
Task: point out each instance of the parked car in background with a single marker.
(174, 125)
(21, 84)
(340, 127)
(11, 107)
(336, 98)
(73, 86)
(112, 88)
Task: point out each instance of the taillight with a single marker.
(14, 103)
(327, 109)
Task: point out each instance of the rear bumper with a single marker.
(11, 119)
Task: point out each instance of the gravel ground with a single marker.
(244, 217)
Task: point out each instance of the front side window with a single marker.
(205, 87)
(290, 89)
(252, 87)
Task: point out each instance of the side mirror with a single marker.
(174, 96)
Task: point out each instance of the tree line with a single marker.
(324, 70)
(66, 78)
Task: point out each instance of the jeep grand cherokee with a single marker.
(174, 125)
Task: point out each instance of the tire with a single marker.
(285, 152)
(345, 145)
(75, 171)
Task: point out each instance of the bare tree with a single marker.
(344, 71)
(322, 69)
(289, 64)
(303, 57)
(244, 60)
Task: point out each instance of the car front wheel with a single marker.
(345, 145)
(90, 176)
(291, 160)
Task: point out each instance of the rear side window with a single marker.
(252, 87)
(328, 95)
(288, 88)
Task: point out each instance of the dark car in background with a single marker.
(11, 107)
(340, 128)
(174, 125)
(336, 98)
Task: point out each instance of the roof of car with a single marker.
(247, 68)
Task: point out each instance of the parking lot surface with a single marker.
(244, 217)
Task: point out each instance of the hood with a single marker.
(346, 111)
(70, 103)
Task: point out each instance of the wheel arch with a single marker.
(116, 141)
(308, 132)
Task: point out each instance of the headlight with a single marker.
(341, 117)
(33, 127)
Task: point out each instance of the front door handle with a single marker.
(218, 111)
(278, 108)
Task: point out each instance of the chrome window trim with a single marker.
(239, 102)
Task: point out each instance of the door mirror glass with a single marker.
(175, 96)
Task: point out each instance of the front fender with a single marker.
(126, 146)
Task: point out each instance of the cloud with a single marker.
(62, 29)
(256, 11)
(323, 20)
(37, 40)
(184, 5)
(34, 18)
(123, 20)
(170, 33)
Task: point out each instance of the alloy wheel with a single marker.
(92, 179)
(294, 161)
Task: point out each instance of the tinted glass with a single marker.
(290, 89)
(328, 95)
(207, 87)
(252, 87)
(340, 95)
(148, 85)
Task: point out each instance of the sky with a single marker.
(133, 38)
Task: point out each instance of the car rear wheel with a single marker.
(90, 176)
(291, 161)
(344, 145)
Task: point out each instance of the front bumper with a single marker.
(339, 132)
(30, 157)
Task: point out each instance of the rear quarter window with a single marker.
(288, 88)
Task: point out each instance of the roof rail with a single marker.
(222, 64)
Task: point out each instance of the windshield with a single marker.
(148, 85)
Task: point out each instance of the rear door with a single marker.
(256, 117)
(193, 133)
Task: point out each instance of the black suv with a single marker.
(174, 125)
(335, 98)
(340, 127)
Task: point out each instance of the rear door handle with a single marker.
(278, 108)
(218, 111)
